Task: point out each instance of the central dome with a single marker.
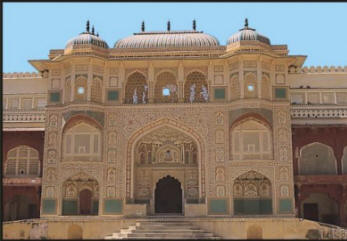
(168, 39)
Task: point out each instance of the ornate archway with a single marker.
(164, 145)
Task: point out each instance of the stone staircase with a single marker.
(162, 229)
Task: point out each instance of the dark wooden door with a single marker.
(311, 211)
(85, 202)
(168, 196)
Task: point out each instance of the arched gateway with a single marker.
(170, 152)
(168, 196)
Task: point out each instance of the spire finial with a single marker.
(93, 30)
(87, 26)
(246, 23)
(143, 26)
(97, 34)
(168, 25)
(194, 25)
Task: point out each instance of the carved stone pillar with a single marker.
(259, 79)
(151, 84)
(73, 77)
(89, 81)
(122, 80)
(241, 74)
(180, 80)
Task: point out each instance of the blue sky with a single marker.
(317, 30)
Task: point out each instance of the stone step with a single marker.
(166, 235)
(170, 231)
(167, 228)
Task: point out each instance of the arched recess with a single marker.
(195, 85)
(67, 90)
(22, 161)
(81, 87)
(344, 161)
(252, 193)
(251, 139)
(250, 86)
(234, 87)
(96, 90)
(136, 89)
(80, 195)
(82, 140)
(22, 206)
(141, 138)
(166, 90)
(320, 207)
(265, 87)
(75, 232)
(317, 159)
(254, 232)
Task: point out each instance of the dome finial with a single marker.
(97, 34)
(143, 26)
(87, 26)
(93, 30)
(168, 25)
(246, 23)
(194, 25)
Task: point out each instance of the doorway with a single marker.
(311, 211)
(85, 201)
(168, 196)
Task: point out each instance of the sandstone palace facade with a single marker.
(174, 122)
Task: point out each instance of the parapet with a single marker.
(21, 75)
(318, 69)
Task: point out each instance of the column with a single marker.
(105, 81)
(89, 81)
(210, 78)
(226, 80)
(259, 78)
(73, 75)
(122, 80)
(180, 83)
(242, 94)
(151, 83)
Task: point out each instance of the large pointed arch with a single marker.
(165, 122)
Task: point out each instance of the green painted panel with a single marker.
(252, 206)
(285, 205)
(113, 206)
(112, 95)
(219, 93)
(70, 207)
(49, 206)
(281, 93)
(95, 207)
(218, 206)
(55, 97)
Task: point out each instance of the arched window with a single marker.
(250, 87)
(82, 142)
(22, 161)
(96, 90)
(81, 88)
(317, 159)
(252, 194)
(136, 86)
(251, 140)
(196, 83)
(166, 90)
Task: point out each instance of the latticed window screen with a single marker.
(22, 161)
(96, 90)
(199, 80)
